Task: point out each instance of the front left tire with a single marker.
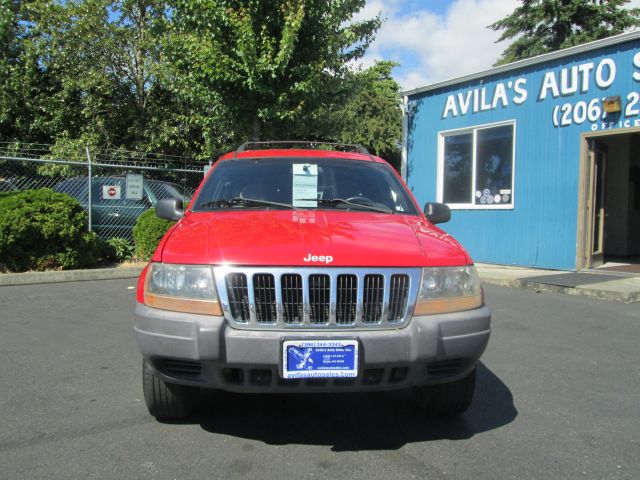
(446, 399)
(167, 401)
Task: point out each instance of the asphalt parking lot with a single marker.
(557, 398)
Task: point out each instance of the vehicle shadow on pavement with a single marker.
(353, 421)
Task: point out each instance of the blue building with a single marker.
(539, 160)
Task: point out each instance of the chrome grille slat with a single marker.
(264, 291)
(398, 296)
(333, 298)
(346, 299)
(386, 291)
(292, 304)
(317, 298)
(238, 296)
(373, 298)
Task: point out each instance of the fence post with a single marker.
(86, 147)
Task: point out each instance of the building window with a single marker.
(476, 167)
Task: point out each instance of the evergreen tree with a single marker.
(372, 116)
(542, 26)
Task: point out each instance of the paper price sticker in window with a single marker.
(305, 185)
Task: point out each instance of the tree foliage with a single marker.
(191, 77)
(541, 26)
(372, 115)
(271, 63)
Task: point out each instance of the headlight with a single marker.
(181, 288)
(448, 289)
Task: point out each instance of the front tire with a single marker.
(447, 399)
(164, 400)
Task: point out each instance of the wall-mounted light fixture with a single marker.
(612, 104)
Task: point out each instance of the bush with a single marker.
(42, 229)
(147, 233)
(8, 194)
(117, 249)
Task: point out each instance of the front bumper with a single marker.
(204, 351)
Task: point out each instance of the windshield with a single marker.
(303, 183)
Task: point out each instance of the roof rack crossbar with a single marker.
(247, 145)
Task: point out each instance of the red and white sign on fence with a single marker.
(111, 192)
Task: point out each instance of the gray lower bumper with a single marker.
(203, 350)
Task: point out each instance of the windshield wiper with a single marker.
(242, 201)
(342, 201)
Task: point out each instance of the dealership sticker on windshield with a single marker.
(305, 185)
(320, 359)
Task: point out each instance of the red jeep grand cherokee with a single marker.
(302, 270)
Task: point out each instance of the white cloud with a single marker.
(434, 47)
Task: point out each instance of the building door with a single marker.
(596, 200)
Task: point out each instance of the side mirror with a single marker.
(170, 208)
(437, 212)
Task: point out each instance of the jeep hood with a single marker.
(309, 238)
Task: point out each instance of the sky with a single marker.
(437, 40)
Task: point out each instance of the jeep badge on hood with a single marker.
(318, 258)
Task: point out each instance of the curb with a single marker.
(623, 297)
(33, 278)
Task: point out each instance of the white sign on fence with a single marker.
(134, 186)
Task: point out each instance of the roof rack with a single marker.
(249, 145)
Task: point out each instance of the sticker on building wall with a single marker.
(496, 198)
(505, 198)
(486, 192)
(505, 192)
(478, 193)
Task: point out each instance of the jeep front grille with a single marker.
(315, 298)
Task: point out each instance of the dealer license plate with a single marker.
(320, 359)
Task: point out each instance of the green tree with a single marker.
(541, 26)
(21, 77)
(275, 64)
(8, 25)
(104, 55)
(190, 77)
(372, 116)
(92, 72)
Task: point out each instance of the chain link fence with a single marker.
(114, 187)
